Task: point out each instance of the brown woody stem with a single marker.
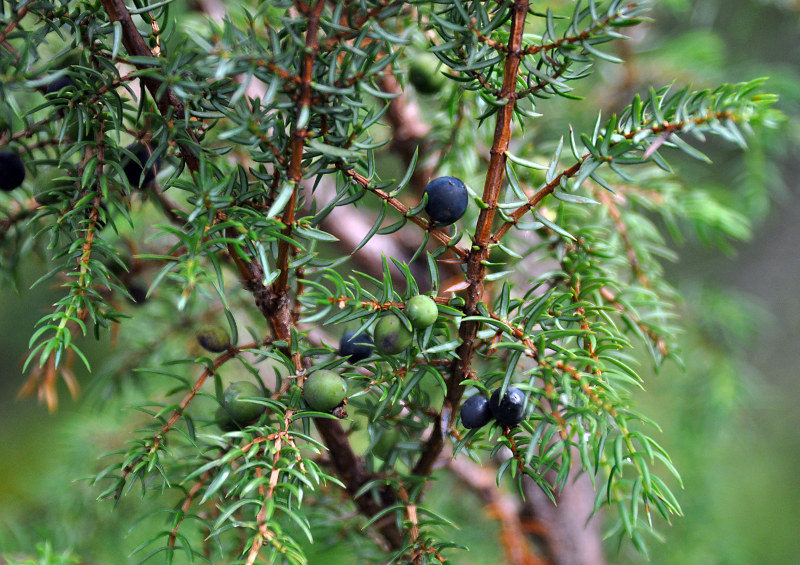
(275, 305)
(168, 102)
(476, 271)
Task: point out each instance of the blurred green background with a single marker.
(731, 420)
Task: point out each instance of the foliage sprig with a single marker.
(265, 129)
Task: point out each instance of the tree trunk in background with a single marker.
(567, 536)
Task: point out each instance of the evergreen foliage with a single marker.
(214, 158)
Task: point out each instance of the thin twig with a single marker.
(476, 270)
(438, 233)
(15, 22)
(504, 508)
(167, 102)
(655, 127)
(187, 502)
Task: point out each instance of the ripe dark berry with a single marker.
(12, 170)
(324, 390)
(138, 291)
(424, 74)
(241, 411)
(133, 167)
(358, 348)
(475, 412)
(447, 200)
(510, 410)
(391, 336)
(60, 83)
(213, 339)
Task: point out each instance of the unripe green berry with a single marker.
(387, 439)
(213, 339)
(48, 190)
(391, 336)
(421, 311)
(224, 420)
(240, 411)
(324, 390)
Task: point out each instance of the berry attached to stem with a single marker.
(421, 311)
(357, 348)
(138, 291)
(60, 83)
(12, 170)
(133, 167)
(476, 412)
(391, 336)
(447, 200)
(510, 410)
(213, 339)
(324, 390)
(241, 411)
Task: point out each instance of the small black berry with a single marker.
(138, 291)
(447, 200)
(475, 412)
(510, 410)
(358, 348)
(12, 170)
(133, 167)
(60, 83)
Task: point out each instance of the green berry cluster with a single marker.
(391, 335)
